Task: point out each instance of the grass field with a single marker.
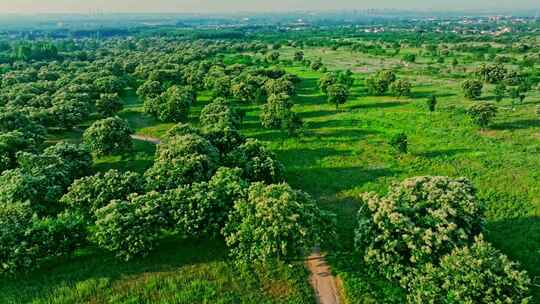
(341, 154)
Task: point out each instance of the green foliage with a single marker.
(108, 105)
(181, 129)
(417, 222)
(276, 112)
(130, 228)
(77, 159)
(150, 89)
(224, 139)
(409, 57)
(477, 273)
(399, 142)
(378, 84)
(494, 74)
(108, 136)
(88, 194)
(17, 121)
(337, 94)
(472, 88)
(173, 105)
(257, 162)
(500, 91)
(401, 88)
(274, 221)
(182, 160)
(280, 86)
(482, 113)
(218, 114)
(26, 241)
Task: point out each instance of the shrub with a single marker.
(130, 228)
(482, 113)
(399, 142)
(472, 274)
(472, 88)
(417, 222)
(258, 163)
(26, 241)
(91, 193)
(274, 221)
(182, 160)
(108, 136)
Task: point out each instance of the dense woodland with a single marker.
(202, 166)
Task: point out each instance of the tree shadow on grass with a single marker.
(329, 181)
(426, 94)
(92, 263)
(442, 153)
(517, 125)
(519, 239)
(377, 105)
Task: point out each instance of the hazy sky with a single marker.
(83, 6)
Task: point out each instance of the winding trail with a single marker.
(153, 140)
(321, 278)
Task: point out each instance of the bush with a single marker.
(417, 222)
(399, 142)
(182, 160)
(482, 113)
(274, 222)
(91, 193)
(131, 228)
(472, 88)
(258, 163)
(108, 136)
(26, 241)
(472, 274)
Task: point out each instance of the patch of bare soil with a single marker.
(322, 280)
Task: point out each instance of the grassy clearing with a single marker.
(341, 154)
(178, 272)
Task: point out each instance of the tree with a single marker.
(401, 88)
(130, 228)
(77, 159)
(477, 273)
(108, 105)
(409, 57)
(419, 221)
(378, 84)
(256, 161)
(108, 136)
(182, 160)
(337, 94)
(26, 241)
(150, 89)
(432, 103)
(280, 86)
(299, 56)
(482, 113)
(276, 112)
(175, 104)
(274, 221)
(472, 89)
(219, 114)
(88, 194)
(273, 56)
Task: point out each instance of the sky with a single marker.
(221, 6)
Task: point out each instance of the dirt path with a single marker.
(149, 139)
(321, 279)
